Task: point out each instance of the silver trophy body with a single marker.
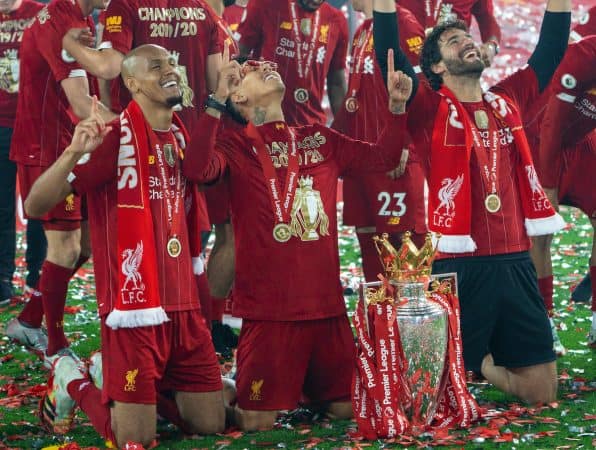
(423, 330)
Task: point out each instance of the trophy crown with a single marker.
(305, 181)
(408, 263)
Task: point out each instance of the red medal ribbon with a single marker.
(172, 212)
(490, 176)
(304, 68)
(281, 211)
(456, 404)
(356, 76)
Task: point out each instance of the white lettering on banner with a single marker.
(368, 371)
(127, 171)
(171, 14)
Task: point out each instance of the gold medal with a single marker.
(492, 202)
(174, 247)
(481, 119)
(301, 95)
(282, 232)
(169, 155)
(306, 26)
(352, 104)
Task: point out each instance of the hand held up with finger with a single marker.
(399, 86)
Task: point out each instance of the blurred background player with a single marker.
(53, 91)
(378, 203)
(307, 39)
(15, 16)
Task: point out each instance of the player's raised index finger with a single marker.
(390, 63)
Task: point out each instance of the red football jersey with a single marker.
(367, 92)
(494, 233)
(233, 15)
(297, 279)
(186, 27)
(586, 25)
(375, 199)
(273, 32)
(429, 12)
(43, 128)
(566, 111)
(98, 180)
(12, 27)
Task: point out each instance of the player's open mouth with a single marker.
(271, 75)
(470, 53)
(169, 84)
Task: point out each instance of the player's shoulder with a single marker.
(31, 7)
(64, 7)
(332, 13)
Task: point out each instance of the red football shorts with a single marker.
(392, 206)
(576, 185)
(66, 215)
(177, 355)
(218, 203)
(282, 364)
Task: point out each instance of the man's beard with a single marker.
(173, 101)
(304, 4)
(470, 69)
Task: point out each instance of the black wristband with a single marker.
(212, 102)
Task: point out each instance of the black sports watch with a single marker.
(212, 102)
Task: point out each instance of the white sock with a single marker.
(593, 319)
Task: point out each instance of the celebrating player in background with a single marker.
(434, 12)
(53, 89)
(283, 197)
(566, 148)
(378, 203)
(308, 40)
(15, 16)
(153, 336)
(234, 14)
(484, 195)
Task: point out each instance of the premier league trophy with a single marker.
(405, 378)
(422, 324)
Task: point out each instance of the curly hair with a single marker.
(431, 53)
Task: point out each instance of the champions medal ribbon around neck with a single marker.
(410, 375)
(450, 197)
(138, 301)
(281, 209)
(305, 27)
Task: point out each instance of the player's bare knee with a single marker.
(66, 256)
(64, 247)
(133, 422)
(204, 413)
(542, 243)
(540, 394)
(340, 410)
(206, 423)
(255, 420)
(539, 386)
